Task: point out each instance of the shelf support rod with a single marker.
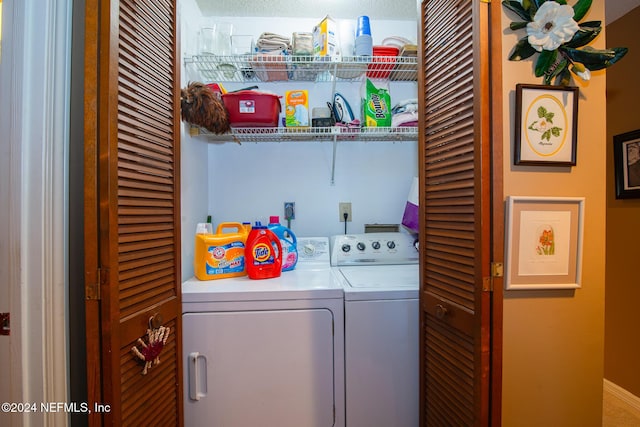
(333, 161)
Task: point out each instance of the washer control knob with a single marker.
(375, 245)
(361, 246)
(391, 244)
(346, 247)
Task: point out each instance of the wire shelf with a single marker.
(332, 133)
(275, 68)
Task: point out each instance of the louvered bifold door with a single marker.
(455, 215)
(138, 210)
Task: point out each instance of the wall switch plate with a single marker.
(345, 207)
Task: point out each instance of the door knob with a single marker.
(441, 311)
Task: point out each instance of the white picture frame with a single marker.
(544, 239)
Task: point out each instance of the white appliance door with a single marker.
(259, 368)
(382, 363)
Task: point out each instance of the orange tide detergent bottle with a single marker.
(220, 255)
(263, 253)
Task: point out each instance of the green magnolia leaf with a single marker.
(533, 9)
(516, 6)
(595, 59)
(517, 25)
(522, 50)
(549, 116)
(526, 4)
(583, 37)
(544, 62)
(542, 112)
(564, 77)
(591, 24)
(620, 53)
(547, 135)
(555, 131)
(580, 9)
(537, 3)
(560, 66)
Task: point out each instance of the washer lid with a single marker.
(379, 277)
(379, 283)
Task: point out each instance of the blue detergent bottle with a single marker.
(287, 240)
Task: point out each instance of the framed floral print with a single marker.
(544, 242)
(626, 156)
(546, 125)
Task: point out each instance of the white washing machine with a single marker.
(379, 272)
(268, 352)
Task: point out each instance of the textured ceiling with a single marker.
(341, 9)
(338, 9)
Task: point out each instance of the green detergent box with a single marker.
(376, 104)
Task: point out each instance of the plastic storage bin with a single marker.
(248, 108)
(382, 62)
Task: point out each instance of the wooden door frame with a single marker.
(91, 226)
(497, 208)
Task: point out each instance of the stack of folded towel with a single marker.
(405, 113)
(270, 42)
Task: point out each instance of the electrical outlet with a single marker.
(345, 207)
(289, 210)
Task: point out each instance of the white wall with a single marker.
(252, 181)
(193, 161)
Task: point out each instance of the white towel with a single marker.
(272, 41)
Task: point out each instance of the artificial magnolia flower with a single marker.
(561, 43)
(552, 26)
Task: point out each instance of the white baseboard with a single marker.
(622, 394)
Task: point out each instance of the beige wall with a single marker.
(554, 340)
(622, 341)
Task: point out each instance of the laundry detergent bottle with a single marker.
(263, 253)
(288, 242)
(220, 255)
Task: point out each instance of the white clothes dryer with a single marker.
(266, 352)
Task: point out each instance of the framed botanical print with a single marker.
(546, 125)
(544, 242)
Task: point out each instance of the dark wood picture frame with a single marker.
(626, 156)
(546, 125)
